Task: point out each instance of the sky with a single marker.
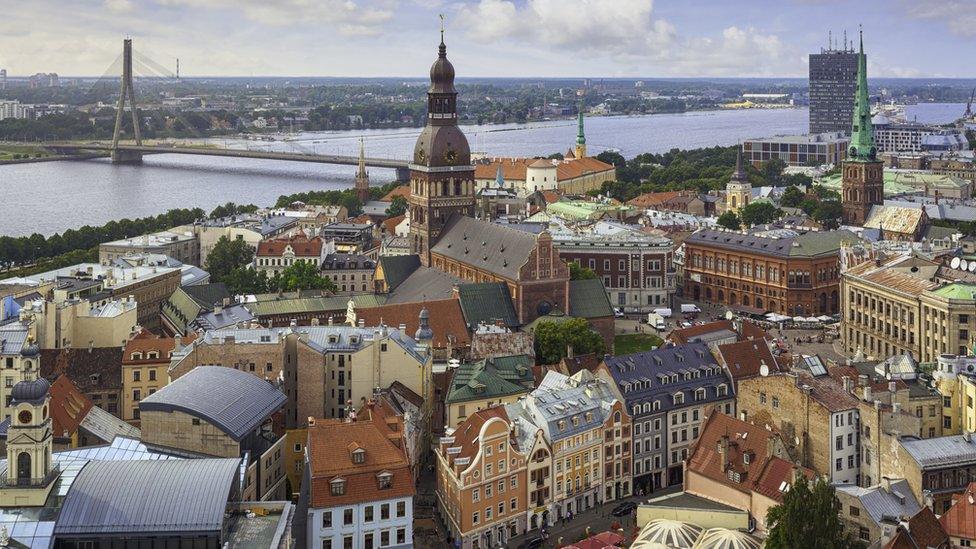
(487, 38)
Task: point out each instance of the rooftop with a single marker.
(162, 238)
(491, 378)
(490, 246)
(941, 452)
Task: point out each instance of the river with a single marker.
(54, 196)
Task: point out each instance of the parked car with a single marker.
(533, 543)
(624, 509)
(617, 312)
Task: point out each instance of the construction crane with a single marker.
(969, 105)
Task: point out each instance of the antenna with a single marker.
(845, 39)
(177, 68)
(830, 40)
(441, 15)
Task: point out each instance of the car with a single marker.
(617, 312)
(624, 509)
(533, 543)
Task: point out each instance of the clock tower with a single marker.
(862, 180)
(441, 174)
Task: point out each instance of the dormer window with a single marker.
(575, 421)
(679, 398)
(562, 425)
(746, 458)
(136, 356)
(152, 354)
(338, 487)
(359, 456)
(385, 480)
(700, 394)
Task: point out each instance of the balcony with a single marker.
(31, 482)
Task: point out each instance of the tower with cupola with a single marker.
(738, 191)
(862, 174)
(441, 174)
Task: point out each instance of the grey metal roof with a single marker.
(487, 302)
(236, 402)
(396, 268)
(809, 244)
(559, 400)
(489, 246)
(13, 337)
(148, 496)
(880, 503)
(941, 452)
(588, 299)
(424, 284)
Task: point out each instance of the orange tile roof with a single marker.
(402, 190)
(446, 319)
(146, 341)
(551, 196)
(360, 219)
(960, 520)
(744, 359)
(579, 167)
(68, 407)
(390, 223)
(513, 169)
(648, 200)
(764, 474)
(302, 245)
(330, 445)
(466, 435)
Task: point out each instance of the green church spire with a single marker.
(862, 134)
(580, 137)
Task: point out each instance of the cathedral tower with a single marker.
(362, 176)
(580, 151)
(441, 174)
(862, 182)
(738, 191)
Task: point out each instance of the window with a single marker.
(475, 518)
(327, 519)
(368, 513)
(864, 534)
(347, 542)
(854, 511)
(775, 402)
(136, 375)
(368, 541)
(501, 508)
(152, 374)
(384, 511)
(401, 535)
(487, 492)
(338, 487)
(947, 422)
(487, 513)
(401, 509)
(514, 504)
(839, 465)
(476, 494)
(514, 482)
(327, 543)
(384, 538)
(347, 517)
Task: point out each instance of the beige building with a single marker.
(19, 359)
(250, 228)
(145, 369)
(481, 481)
(948, 321)
(221, 412)
(62, 323)
(953, 376)
(325, 368)
(485, 383)
(528, 175)
(181, 246)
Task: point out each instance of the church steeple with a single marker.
(862, 134)
(580, 136)
(362, 176)
(738, 191)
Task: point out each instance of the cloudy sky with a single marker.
(541, 38)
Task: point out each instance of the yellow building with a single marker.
(64, 322)
(948, 320)
(145, 365)
(479, 385)
(954, 378)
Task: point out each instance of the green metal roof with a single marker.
(579, 209)
(181, 309)
(958, 290)
(310, 304)
(491, 378)
(815, 243)
(862, 134)
(487, 302)
(588, 299)
(901, 182)
(396, 268)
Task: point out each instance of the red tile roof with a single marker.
(764, 474)
(146, 341)
(68, 407)
(402, 190)
(960, 520)
(744, 359)
(578, 167)
(466, 435)
(648, 200)
(330, 447)
(390, 224)
(302, 245)
(514, 169)
(446, 319)
(924, 531)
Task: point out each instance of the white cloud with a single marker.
(345, 15)
(958, 15)
(118, 6)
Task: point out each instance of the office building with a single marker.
(798, 150)
(833, 74)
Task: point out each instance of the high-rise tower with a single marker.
(832, 80)
(441, 174)
(580, 151)
(362, 176)
(862, 173)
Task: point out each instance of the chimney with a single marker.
(311, 421)
(896, 407)
(886, 484)
(315, 321)
(862, 380)
(848, 384)
(226, 302)
(177, 343)
(330, 320)
(927, 499)
(867, 393)
(362, 322)
(892, 387)
(770, 446)
(723, 451)
(569, 350)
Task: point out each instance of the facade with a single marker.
(935, 468)
(481, 481)
(779, 271)
(145, 365)
(181, 246)
(524, 176)
(955, 380)
(250, 228)
(815, 409)
(441, 175)
(324, 367)
(360, 487)
(872, 513)
(95, 371)
(833, 78)
(948, 320)
(635, 267)
(351, 273)
(276, 255)
(798, 150)
(31, 472)
(862, 183)
(19, 355)
(63, 321)
(958, 521)
(669, 392)
(485, 383)
(912, 137)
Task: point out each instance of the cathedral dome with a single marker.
(442, 72)
(30, 391)
(441, 146)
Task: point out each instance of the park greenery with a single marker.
(344, 197)
(809, 517)
(552, 339)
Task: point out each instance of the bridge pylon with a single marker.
(127, 92)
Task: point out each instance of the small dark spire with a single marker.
(442, 49)
(740, 172)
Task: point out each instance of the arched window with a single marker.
(24, 466)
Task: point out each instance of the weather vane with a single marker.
(441, 15)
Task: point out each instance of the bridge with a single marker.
(123, 153)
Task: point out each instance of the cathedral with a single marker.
(862, 182)
(443, 230)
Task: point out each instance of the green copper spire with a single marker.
(580, 137)
(862, 134)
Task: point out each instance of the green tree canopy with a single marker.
(228, 255)
(808, 518)
(230, 208)
(729, 220)
(772, 171)
(245, 280)
(792, 197)
(397, 207)
(611, 157)
(828, 213)
(580, 273)
(551, 339)
(304, 276)
(759, 213)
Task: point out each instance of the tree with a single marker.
(729, 220)
(245, 280)
(230, 208)
(228, 255)
(772, 171)
(611, 157)
(580, 273)
(556, 156)
(759, 213)
(828, 213)
(304, 276)
(792, 197)
(551, 339)
(808, 517)
(397, 207)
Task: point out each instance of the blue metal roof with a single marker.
(236, 402)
